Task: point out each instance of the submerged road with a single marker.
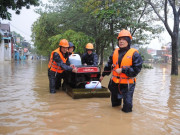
(27, 107)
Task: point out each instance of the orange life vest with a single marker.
(126, 62)
(53, 65)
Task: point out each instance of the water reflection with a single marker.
(26, 107)
(155, 95)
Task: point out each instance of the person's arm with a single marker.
(83, 59)
(60, 63)
(67, 61)
(136, 66)
(108, 66)
(95, 59)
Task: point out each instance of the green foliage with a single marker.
(79, 39)
(16, 5)
(101, 20)
(44, 28)
(131, 14)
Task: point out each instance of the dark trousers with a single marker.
(54, 80)
(122, 91)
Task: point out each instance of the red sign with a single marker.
(25, 50)
(87, 69)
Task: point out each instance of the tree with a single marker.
(79, 39)
(115, 15)
(173, 4)
(16, 5)
(99, 19)
(44, 28)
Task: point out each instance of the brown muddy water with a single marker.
(27, 107)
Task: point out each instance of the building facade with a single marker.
(6, 44)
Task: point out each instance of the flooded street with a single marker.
(27, 107)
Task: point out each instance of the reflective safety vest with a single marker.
(53, 65)
(126, 62)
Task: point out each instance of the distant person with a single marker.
(71, 48)
(57, 65)
(90, 57)
(125, 63)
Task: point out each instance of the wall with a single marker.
(5, 50)
(2, 51)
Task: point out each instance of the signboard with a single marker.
(18, 40)
(25, 50)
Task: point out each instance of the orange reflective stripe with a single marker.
(123, 80)
(126, 62)
(53, 65)
(55, 68)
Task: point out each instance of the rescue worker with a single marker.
(125, 63)
(90, 57)
(71, 48)
(67, 74)
(58, 64)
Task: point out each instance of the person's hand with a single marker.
(74, 70)
(119, 70)
(72, 65)
(101, 78)
(85, 64)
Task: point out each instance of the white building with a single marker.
(6, 45)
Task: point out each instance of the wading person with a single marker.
(57, 65)
(67, 74)
(90, 57)
(71, 48)
(125, 63)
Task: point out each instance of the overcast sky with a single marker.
(22, 24)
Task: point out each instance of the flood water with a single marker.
(27, 107)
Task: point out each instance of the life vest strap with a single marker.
(52, 64)
(123, 80)
(123, 77)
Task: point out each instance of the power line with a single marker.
(20, 30)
